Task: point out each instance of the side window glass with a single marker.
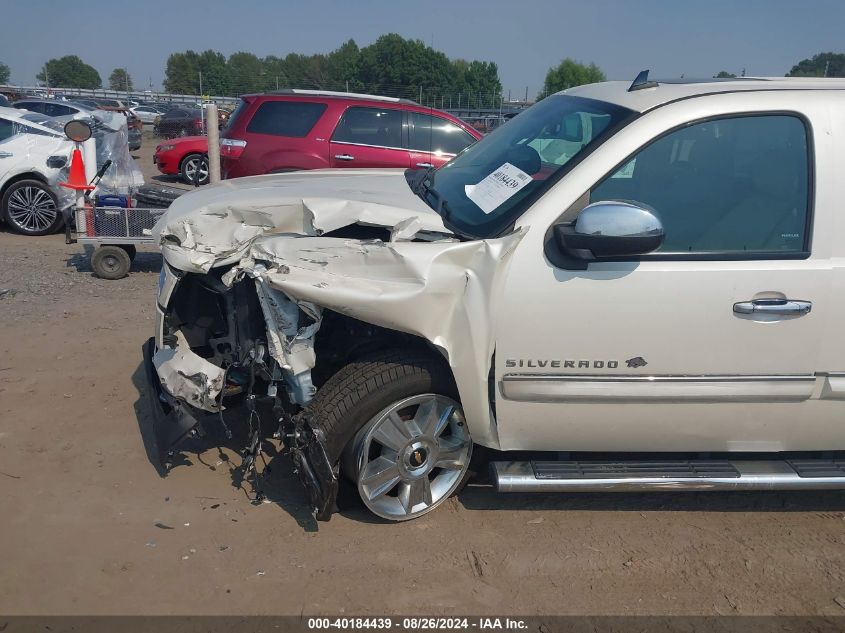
(433, 134)
(7, 129)
(34, 107)
(285, 118)
(55, 109)
(731, 186)
(381, 127)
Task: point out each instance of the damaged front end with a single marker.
(271, 285)
(239, 349)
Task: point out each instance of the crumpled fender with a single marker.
(445, 292)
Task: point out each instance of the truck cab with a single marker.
(633, 281)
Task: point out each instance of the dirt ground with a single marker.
(89, 527)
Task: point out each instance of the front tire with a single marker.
(194, 165)
(395, 423)
(31, 208)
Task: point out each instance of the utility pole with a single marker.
(347, 85)
(420, 102)
(826, 67)
(277, 82)
(200, 85)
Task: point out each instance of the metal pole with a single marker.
(200, 84)
(213, 144)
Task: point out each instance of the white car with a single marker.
(34, 153)
(640, 283)
(148, 114)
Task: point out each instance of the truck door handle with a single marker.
(5, 154)
(344, 157)
(426, 165)
(773, 306)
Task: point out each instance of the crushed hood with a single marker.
(216, 224)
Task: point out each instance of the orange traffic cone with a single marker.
(76, 178)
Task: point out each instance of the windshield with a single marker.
(484, 189)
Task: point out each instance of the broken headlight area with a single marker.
(232, 355)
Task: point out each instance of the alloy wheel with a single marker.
(191, 167)
(32, 209)
(412, 456)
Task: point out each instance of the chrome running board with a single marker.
(621, 476)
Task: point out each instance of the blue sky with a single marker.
(524, 37)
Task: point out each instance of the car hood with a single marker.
(215, 225)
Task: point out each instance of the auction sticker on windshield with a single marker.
(497, 187)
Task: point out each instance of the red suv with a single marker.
(303, 129)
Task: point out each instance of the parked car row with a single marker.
(57, 108)
(299, 129)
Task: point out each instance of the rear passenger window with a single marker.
(32, 107)
(381, 127)
(56, 109)
(7, 129)
(730, 186)
(433, 134)
(286, 118)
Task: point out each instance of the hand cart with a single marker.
(114, 227)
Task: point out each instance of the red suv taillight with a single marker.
(231, 147)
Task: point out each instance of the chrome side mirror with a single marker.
(610, 229)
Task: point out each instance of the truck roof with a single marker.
(650, 94)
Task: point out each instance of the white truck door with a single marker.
(705, 344)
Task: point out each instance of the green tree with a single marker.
(475, 81)
(398, 67)
(247, 73)
(343, 67)
(4, 73)
(188, 72)
(181, 75)
(120, 79)
(570, 73)
(833, 63)
(70, 72)
(275, 70)
(724, 74)
(215, 74)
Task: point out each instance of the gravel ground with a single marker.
(89, 527)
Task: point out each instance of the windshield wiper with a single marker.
(417, 180)
(420, 183)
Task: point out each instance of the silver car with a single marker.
(146, 113)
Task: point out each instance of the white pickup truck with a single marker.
(633, 285)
